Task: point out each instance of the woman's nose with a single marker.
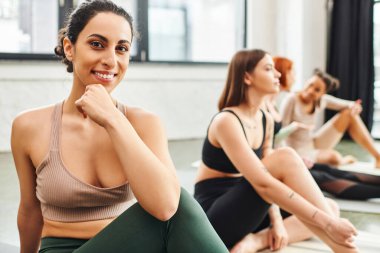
(109, 59)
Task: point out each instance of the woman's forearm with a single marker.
(30, 225)
(274, 214)
(153, 182)
(285, 132)
(294, 203)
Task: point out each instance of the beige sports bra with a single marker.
(64, 197)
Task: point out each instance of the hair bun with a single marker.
(331, 82)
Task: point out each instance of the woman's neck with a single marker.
(75, 94)
(303, 99)
(249, 109)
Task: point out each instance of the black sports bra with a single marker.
(277, 127)
(217, 159)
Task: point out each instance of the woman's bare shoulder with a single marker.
(142, 120)
(226, 120)
(137, 114)
(33, 119)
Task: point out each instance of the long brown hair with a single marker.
(234, 92)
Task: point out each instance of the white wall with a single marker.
(184, 96)
(296, 29)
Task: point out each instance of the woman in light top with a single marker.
(339, 183)
(274, 101)
(318, 146)
(85, 162)
(240, 176)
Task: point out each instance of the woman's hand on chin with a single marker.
(97, 104)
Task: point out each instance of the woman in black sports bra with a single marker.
(241, 177)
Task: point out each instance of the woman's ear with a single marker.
(68, 48)
(247, 78)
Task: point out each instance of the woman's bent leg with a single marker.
(189, 230)
(285, 165)
(233, 207)
(137, 231)
(331, 132)
(60, 245)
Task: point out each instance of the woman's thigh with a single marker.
(137, 231)
(237, 213)
(327, 137)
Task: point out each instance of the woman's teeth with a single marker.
(105, 76)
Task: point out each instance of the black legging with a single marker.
(345, 184)
(233, 207)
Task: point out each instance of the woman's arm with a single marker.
(334, 103)
(228, 133)
(144, 154)
(287, 109)
(277, 236)
(268, 140)
(285, 132)
(29, 218)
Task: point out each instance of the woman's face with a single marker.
(264, 78)
(101, 52)
(315, 88)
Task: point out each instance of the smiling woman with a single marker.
(83, 170)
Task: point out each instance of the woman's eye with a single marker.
(96, 44)
(122, 48)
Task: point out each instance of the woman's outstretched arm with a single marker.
(276, 189)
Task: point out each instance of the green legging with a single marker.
(135, 230)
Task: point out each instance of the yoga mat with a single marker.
(363, 167)
(368, 206)
(365, 241)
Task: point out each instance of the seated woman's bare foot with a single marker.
(348, 159)
(249, 244)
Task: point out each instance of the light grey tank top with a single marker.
(64, 197)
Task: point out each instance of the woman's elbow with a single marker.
(168, 208)
(166, 214)
(264, 190)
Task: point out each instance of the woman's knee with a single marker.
(284, 156)
(283, 160)
(189, 207)
(345, 113)
(334, 207)
(334, 157)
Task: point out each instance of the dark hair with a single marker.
(283, 65)
(234, 91)
(331, 82)
(79, 18)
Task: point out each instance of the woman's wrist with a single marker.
(321, 219)
(113, 120)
